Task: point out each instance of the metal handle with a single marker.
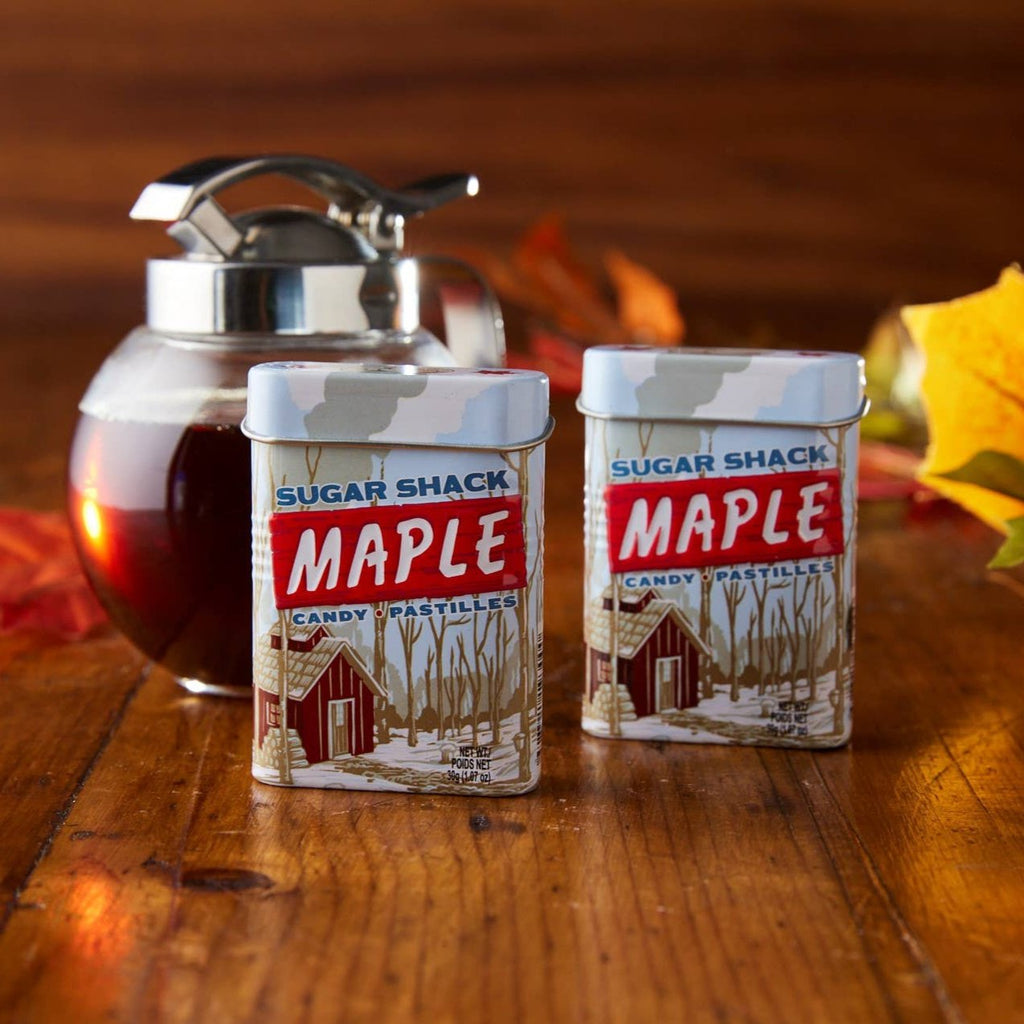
(184, 198)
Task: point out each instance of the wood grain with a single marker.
(641, 881)
(792, 167)
(63, 704)
(763, 157)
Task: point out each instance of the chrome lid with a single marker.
(288, 270)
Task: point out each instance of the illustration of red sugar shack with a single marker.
(725, 478)
(657, 652)
(397, 576)
(331, 696)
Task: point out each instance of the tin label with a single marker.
(719, 595)
(389, 552)
(724, 520)
(397, 603)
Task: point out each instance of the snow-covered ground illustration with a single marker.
(774, 717)
(454, 761)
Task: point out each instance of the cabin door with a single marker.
(668, 672)
(341, 715)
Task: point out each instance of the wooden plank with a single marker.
(62, 702)
(934, 789)
(638, 880)
(642, 880)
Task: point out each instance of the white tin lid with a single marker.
(727, 384)
(418, 405)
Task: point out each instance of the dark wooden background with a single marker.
(790, 165)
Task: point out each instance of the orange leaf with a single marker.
(647, 306)
(545, 258)
(973, 387)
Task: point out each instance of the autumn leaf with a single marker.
(42, 587)
(1002, 473)
(1012, 551)
(570, 293)
(995, 471)
(647, 306)
(973, 393)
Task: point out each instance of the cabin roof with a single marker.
(306, 667)
(303, 632)
(635, 627)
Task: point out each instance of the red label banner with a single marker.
(388, 552)
(680, 524)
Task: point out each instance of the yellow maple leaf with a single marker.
(973, 388)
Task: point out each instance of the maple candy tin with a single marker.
(720, 522)
(398, 520)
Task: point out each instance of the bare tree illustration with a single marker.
(707, 687)
(504, 643)
(439, 627)
(518, 462)
(837, 437)
(430, 669)
(813, 625)
(529, 673)
(789, 621)
(409, 630)
(751, 652)
(760, 595)
(379, 610)
(532, 704)
(466, 674)
(706, 661)
(614, 711)
(285, 769)
(773, 647)
(591, 523)
(733, 593)
(313, 455)
(455, 684)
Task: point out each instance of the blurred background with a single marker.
(790, 167)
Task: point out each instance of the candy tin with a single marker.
(397, 576)
(720, 524)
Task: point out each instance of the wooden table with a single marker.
(145, 877)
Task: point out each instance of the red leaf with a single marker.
(42, 586)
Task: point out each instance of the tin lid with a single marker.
(407, 405)
(723, 384)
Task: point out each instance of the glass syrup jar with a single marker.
(159, 478)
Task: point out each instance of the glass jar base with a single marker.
(204, 689)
